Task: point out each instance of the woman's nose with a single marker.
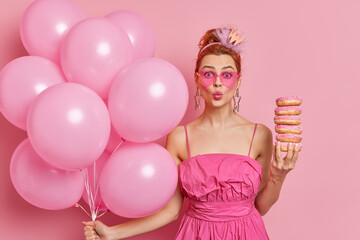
(217, 81)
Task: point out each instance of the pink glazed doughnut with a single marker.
(288, 137)
(295, 129)
(288, 110)
(284, 146)
(287, 119)
(288, 101)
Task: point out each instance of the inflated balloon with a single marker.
(147, 100)
(44, 24)
(69, 126)
(138, 179)
(43, 185)
(93, 52)
(139, 30)
(21, 81)
(91, 194)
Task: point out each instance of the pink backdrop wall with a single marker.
(306, 48)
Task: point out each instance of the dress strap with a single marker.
(252, 139)
(187, 142)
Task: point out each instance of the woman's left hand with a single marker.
(280, 167)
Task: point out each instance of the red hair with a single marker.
(216, 49)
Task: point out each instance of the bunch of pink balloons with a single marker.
(92, 97)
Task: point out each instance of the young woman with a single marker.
(224, 160)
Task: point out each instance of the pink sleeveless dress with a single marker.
(221, 188)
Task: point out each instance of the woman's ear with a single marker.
(238, 82)
(196, 78)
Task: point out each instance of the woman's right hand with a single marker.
(96, 230)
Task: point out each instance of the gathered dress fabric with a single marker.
(221, 189)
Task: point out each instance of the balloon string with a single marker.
(98, 183)
(86, 185)
(122, 140)
(89, 193)
(92, 197)
(102, 214)
(96, 190)
(94, 179)
(96, 193)
(78, 205)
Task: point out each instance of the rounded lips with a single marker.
(217, 93)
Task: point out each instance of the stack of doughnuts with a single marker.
(288, 122)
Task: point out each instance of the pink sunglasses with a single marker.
(228, 78)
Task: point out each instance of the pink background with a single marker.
(306, 48)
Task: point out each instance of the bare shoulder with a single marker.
(264, 133)
(176, 143)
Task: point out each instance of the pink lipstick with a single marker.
(217, 95)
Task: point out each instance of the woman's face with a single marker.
(217, 79)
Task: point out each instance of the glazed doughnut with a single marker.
(284, 146)
(287, 119)
(295, 129)
(288, 110)
(288, 101)
(288, 137)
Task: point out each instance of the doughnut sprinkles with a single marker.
(284, 146)
(288, 101)
(287, 119)
(288, 137)
(288, 110)
(285, 128)
(288, 122)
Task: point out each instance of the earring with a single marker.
(197, 99)
(236, 103)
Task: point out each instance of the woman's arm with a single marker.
(149, 223)
(131, 228)
(166, 215)
(274, 172)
